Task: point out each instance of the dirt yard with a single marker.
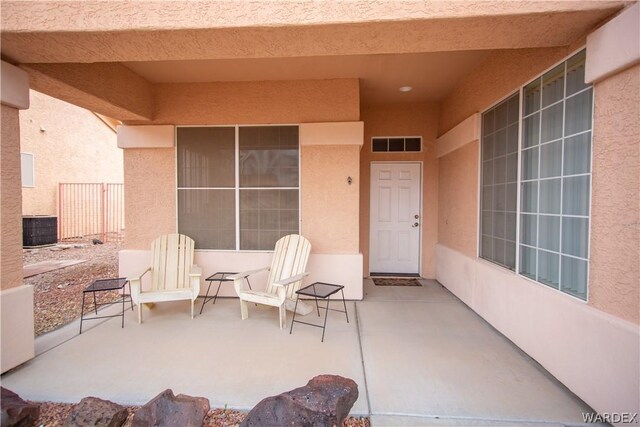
(58, 293)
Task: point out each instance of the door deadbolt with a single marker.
(416, 216)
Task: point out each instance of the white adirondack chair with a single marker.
(285, 277)
(174, 277)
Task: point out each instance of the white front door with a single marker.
(395, 218)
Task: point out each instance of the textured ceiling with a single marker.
(432, 75)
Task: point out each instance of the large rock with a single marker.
(168, 410)
(92, 411)
(15, 411)
(325, 401)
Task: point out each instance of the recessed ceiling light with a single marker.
(405, 89)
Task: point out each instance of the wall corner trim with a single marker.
(14, 91)
(332, 133)
(18, 342)
(146, 136)
(615, 46)
(465, 132)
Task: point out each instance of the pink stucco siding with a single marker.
(69, 144)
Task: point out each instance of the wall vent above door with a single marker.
(396, 144)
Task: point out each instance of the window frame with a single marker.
(520, 90)
(33, 169)
(237, 186)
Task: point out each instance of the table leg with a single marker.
(216, 295)
(294, 316)
(326, 312)
(316, 298)
(130, 297)
(345, 305)
(123, 306)
(205, 297)
(82, 311)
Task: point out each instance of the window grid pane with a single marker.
(556, 175)
(499, 182)
(265, 216)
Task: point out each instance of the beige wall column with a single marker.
(613, 66)
(16, 300)
(458, 152)
(149, 182)
(329, 201)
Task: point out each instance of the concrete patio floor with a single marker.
(418, 355)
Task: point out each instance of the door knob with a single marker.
(415, 225)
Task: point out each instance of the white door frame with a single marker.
(420, 163)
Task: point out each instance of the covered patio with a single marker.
(499, 141)
(418, 355)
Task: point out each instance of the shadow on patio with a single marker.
(418, 355)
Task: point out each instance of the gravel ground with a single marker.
(58, 293)
(54, 414)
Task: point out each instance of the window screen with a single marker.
(206, 186)
(262, 195)
(499, 182)
(268, 185)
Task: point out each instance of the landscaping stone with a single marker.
(92, 411)
(168, 410)
(325, 401)
(15, 411)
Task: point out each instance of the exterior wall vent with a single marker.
(396, 144)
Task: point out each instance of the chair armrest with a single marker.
(245, 274)
(135, 285)
(284, 283)
(239, 279)
(194, 280)
(138, 277)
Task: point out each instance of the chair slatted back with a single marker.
(172, 258)
(290, 258)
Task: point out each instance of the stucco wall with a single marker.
(69, 144)
(614, 284)
(150, 182)
(499, 75)
(458, 199)
(330, 206)
(280, 102)
(10, 201)
(403, 120)
(150, 195)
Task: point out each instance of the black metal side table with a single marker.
(324, 291)
(103, 285)
(220, 276)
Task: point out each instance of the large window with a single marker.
(554, 175)
(238, 187)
